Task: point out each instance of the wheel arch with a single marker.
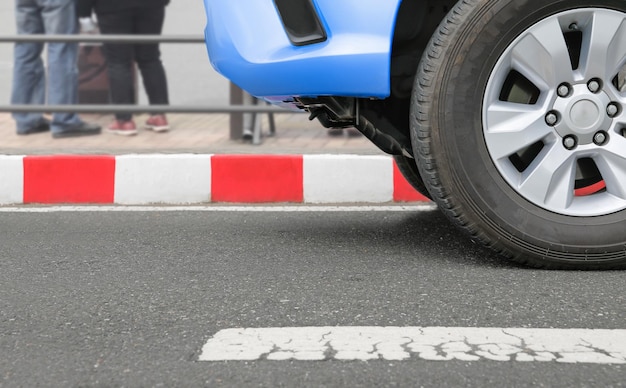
(415, 23)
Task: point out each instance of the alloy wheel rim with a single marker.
(553, 113)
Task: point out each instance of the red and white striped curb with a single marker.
(197, 179)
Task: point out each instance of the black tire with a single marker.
(453, 157)
(410, 172)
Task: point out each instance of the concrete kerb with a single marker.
(196, 163)
(177, 179)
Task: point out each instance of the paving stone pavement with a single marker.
(191, 133)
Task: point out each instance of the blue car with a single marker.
(509, 114)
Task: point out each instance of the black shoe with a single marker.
(80, 129)
(43, 126)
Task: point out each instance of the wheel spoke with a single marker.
(603, 50)
(550, 179)
(543, 57)
(513, 127)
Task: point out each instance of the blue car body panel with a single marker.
(247, 44)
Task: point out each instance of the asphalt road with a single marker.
(129, 298)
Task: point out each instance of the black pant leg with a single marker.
(149, 21)
(120, 59)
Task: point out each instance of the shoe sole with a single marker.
(74, 134)
(158, 129)
(31, 132)
(126, 132)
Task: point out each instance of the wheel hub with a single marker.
(583, 114)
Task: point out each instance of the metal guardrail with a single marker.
(100, 38)
(86, 108)
(236, 110)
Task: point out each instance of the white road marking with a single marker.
(426, 343)
(220, 208)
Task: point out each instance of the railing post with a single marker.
(236, 119)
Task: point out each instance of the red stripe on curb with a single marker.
(257, 178)
(69, 179)
(402, 190)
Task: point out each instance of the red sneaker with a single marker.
(124, 128)
(157, 123)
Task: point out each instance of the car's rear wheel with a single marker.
(519, 129)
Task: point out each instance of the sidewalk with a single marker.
(191, 133)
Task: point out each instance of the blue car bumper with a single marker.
(248, 44)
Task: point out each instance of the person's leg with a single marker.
(59, 18)
(149, 20)
(29, 76)
(119, 59)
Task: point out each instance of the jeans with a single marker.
(120, 57)
(30, 84)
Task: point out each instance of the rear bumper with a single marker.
(247, 43)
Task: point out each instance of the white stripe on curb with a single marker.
(347, 178)
(11, 179)
(170, 179)
(426, 343)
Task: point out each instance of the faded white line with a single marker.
(220, 208)
(426, 343)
